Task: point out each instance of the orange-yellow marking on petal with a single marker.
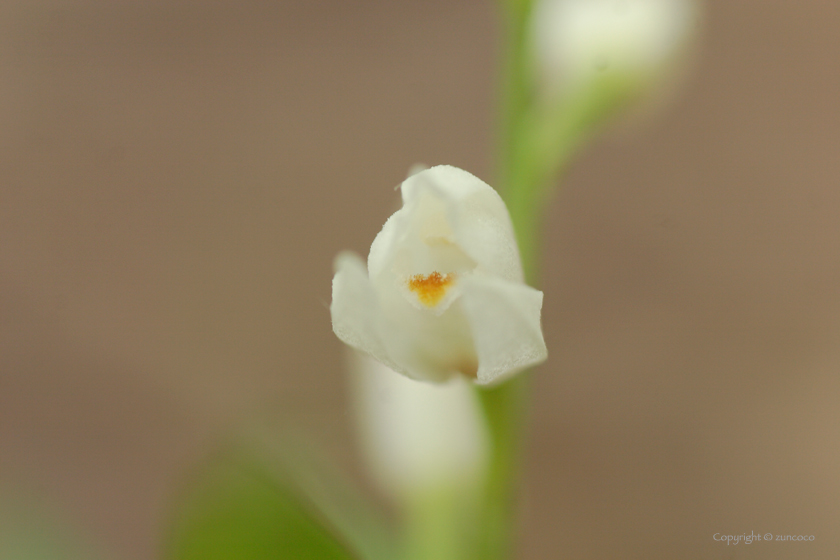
(430, 289)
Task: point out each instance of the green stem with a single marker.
(504, 405)
(515, 90)
(503, 408)
(439, 526)
(534, 146)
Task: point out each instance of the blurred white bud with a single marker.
(418, 437)
(578, 42)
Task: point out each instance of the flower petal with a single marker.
(355, 309)
(505, 321)
(476, 216)
(385, 243)
(429, 347)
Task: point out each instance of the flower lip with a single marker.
(430, 289)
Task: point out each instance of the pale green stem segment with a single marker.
(504, 405)
(441, 523)
(537, 142)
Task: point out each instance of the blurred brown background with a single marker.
(176, 177)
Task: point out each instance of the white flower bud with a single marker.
(578, 41)
(418, 437)
(443, 289)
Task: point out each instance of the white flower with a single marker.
(443, 290)
(576, 41)
(418, 437)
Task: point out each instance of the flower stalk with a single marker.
(504, 405)
(534, 146)
(540, 131)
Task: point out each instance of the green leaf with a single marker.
(236, 510)
(301, 465)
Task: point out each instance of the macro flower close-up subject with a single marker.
(443, 290)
